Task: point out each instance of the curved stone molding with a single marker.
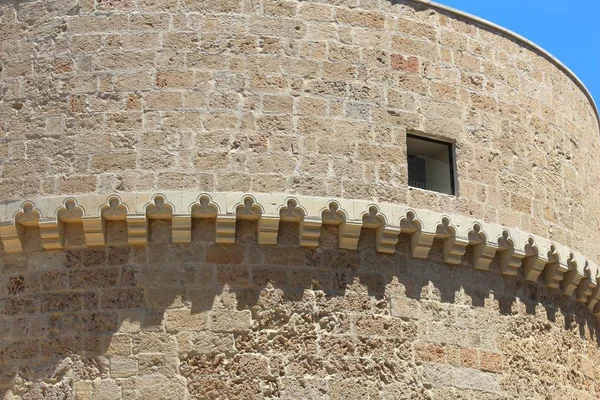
(558, 266)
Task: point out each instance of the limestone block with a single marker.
(106, 389)
(533, 262)
(572, 278)
(349, 233)
(510, 256)
(185, 320)
(225, 233)
(387, 238)
(454, 245)
(52, 234)
(181, 228)
(114, 209)
(268, 227)
(83, 390)
(137, 229)
(483, 251)
(123, 367)
(555, 269)
(94, 230)
(586, 288)
(230, 320)
(310, 232)
(12, 238)
(205, 342)
(292, 211)
(420, 241)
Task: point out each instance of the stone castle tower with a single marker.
(284, 199)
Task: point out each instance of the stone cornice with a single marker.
(560, 267)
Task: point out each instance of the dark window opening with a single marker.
(430, 164)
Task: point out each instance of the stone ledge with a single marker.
(560, 267)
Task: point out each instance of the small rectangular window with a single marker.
(430, 164)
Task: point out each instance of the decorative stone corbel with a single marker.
(13, 235)
(309, 228)
(268, 228)
(483, 252)
(291, 212)
(160, 208)
(248, 209)
(137, 229)
(349, 231)
(137, 224)
(28, 215)
(204, 207)
(181, 228)
(349, 235)
(573, 276)
(181, 224)
(94, 231)
(52, 230)
(554, 271)
(52, 234)
(310, 232)
(586, 286)
(594, 297)
(420, 242)
(268, 225)
(225, 229)
(114, 209)
(386, 236)
(510, 257)
(69, 213)
(534, 262)
(454, 246)
(94, 228)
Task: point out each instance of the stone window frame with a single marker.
(451, 144)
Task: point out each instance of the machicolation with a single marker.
(283, 199)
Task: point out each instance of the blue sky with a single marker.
(569, 30)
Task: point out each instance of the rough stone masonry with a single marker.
(330, 277)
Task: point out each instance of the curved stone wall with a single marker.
(293, 97)
(201, 320)
(208, 199)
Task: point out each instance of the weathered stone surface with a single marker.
(157, 96)
(296, 98)
(415, 329)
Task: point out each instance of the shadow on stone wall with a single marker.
(62, 313)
